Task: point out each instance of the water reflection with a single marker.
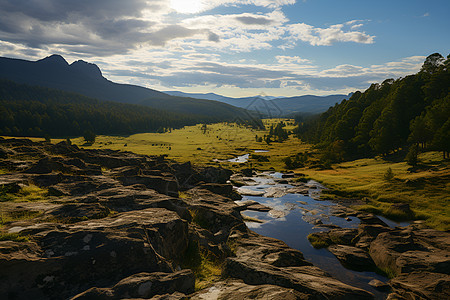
(299, 211)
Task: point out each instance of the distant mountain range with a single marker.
(87, 79)
(274, 106)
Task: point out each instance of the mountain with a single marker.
(87, 79)
(409, 111)
(37, 111)
(277, 105)
(215, 97)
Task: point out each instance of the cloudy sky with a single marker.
(233, 47)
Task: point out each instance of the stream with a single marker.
(292, 219)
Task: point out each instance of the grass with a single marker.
(30, 193)
(18, 215)
(206, 268)
(15, 237)
(318, 241)
(221, 141)
(425, 189)
(27, 193)
(199, 219)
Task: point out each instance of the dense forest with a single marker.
(411, 112)
(36, 111)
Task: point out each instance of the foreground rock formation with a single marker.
(416, 258)
(112, 225)
(102, 224)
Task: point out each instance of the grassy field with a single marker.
(204, 147)
(425, 189)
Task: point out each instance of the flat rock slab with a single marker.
(421, 285)
(352, 257)
(144, 285)
(250, 192)
(238, 290)
(301, 279)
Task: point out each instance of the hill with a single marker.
(87, 79)
(282, 106)
(389, 116)
(36, 111)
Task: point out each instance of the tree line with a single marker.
(413, 112)
(37, 111)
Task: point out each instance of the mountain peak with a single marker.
(54, 59)
(86, 68)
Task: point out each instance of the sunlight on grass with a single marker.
(220, 141)
(425, 190)
(207, 269)
(15, 237)
(18, 215)
(31, 193)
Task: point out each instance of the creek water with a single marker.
(292, 223)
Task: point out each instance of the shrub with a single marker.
(389, 175)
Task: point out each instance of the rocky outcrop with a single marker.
(266, 261)
(145, 285)
(113, 225)
(417, 259)
(352, 257)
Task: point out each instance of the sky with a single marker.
(236, 48)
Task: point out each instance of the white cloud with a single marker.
(328, 36)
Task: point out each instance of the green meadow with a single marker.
(212, 145)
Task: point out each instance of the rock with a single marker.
(237, 289)
(276, 192)
(277, 213)
(262, 260)
(401, 251)
(163, 185)
(367, 233)
(343, 236)
(215, 175)
(380, 285)
(247, 172)
(299, 190)
(307, 280)
(98, 251)
(144, 285)
(9, 187)
(370, 219)
(248, 192)
(421, 285)
(225, 190)
(352, 258)
(79, 211)
(252, 205)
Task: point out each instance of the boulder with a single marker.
(308, 280)
(403, 251)
(238, 290)
(163, 185)
(420, 285)
(352, 258)
(77, 256)
(144, 285)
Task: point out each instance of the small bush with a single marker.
(389, 175)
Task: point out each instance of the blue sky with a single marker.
(233, 47)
